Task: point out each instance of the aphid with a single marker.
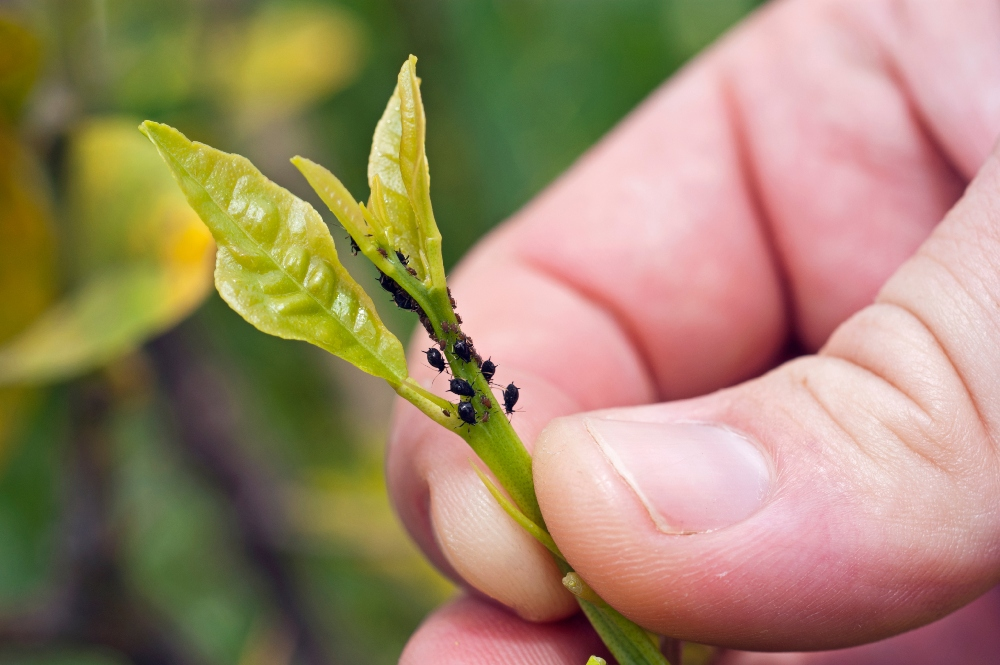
(403, 258)
(452, 299)
(387, 283)
(446, 412)
(510, 395)
(467, 413)
(354, 246)
(462, 387)
(486, 416)
(435, 359)
(458, 317)
(486, 402)
(488, 369)
(381, 250)
(404, 301)
(463, 350)
(411, 271)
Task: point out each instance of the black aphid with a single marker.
(404, 301)
(387, 283)
(461, 387)
(403, 258)
(463, 350)
(354, 246)
(435, 359)
(510, 395)
(467, 413)
(488, 369)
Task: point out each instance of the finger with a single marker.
(648, 271)
(839, 499)
(968, 636)
(854, 163)
(569, 353)
(474, 631)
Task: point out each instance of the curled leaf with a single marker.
(277, 265)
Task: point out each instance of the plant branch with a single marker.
(206, 420)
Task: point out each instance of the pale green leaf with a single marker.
(106, 317)
(407, 219)
(340, 202)
(596, 660)
(277, 264)
(413, 166)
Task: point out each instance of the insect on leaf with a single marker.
(276, 264)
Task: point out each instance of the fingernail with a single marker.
(692, 477)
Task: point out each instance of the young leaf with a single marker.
(413, 158)
(277, 264)
(397, 168)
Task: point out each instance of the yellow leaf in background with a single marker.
(143, 259)
(286, 58)
(20, 57)
(109, 315)
(124, 207)
(27, 242)
(27, 262)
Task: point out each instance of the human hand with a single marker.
(755, 205)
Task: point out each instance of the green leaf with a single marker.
(108, 316)
(399, 178)
(596, 660)
(277, 265)
(413, 165)
(340, 202)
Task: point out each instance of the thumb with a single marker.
(841, 498)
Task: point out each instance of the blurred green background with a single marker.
(174, 485)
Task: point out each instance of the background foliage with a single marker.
(218, 492)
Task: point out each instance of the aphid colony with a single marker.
(462, 347)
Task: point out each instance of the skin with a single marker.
(797, 237)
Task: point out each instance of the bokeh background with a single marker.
(176, 487)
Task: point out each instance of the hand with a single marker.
(756, 205)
